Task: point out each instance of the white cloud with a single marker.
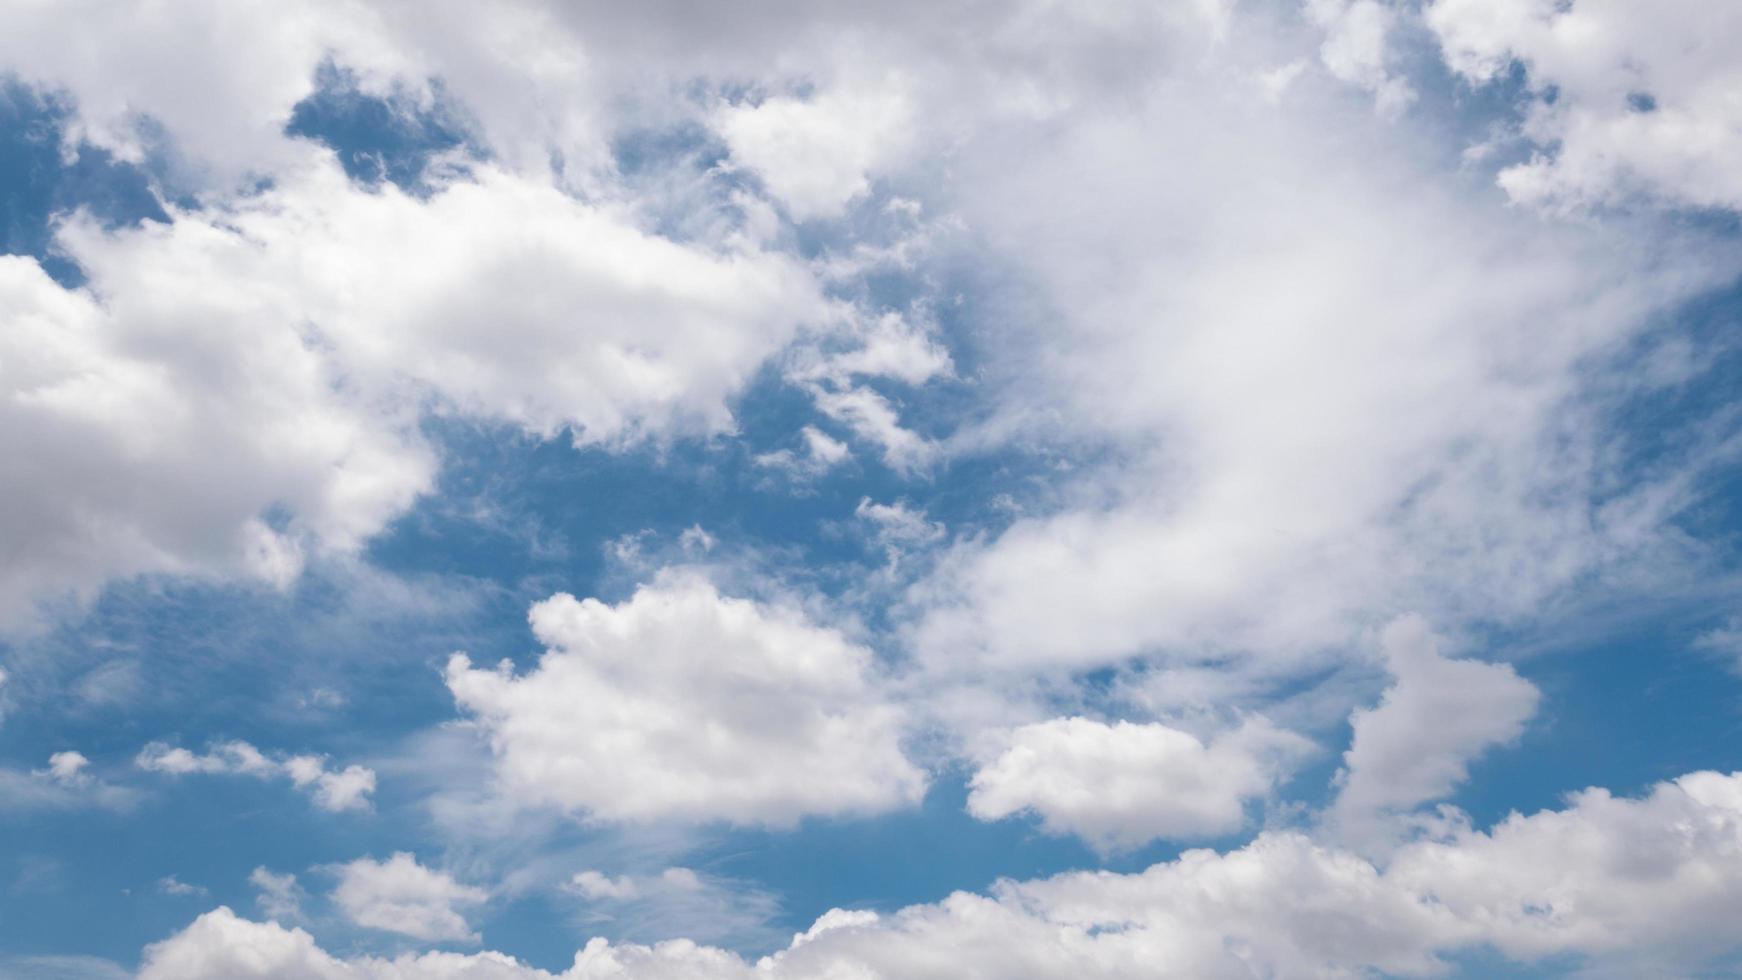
(1357, 49)
(821, 454)
(164, 420)
(1643, 95)
(238, 390)
(1324, 401)
(171, 885)
(1644, 887)
(335, 790)
(814, 154)
(64, 784)
(1437, 717)
(681, 703)
(400, 895)
(1123, 785)
(899, 528)
(279, 896)
(594, 885)
(873, 418)
(68, 768)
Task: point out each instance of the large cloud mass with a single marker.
(241, 386)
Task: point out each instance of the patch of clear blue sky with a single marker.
(42, 178)
(393, 139)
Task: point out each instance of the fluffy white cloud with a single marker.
(337, 790)
(1646, 886)
(239, 388)
(1125, 784)
(1630, 99)
(158, 423)
(681, 703)
(400, 895)
(1437, 716)
(1357, 48)
(814, 153)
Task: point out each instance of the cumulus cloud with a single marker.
(815, 153)
(1438, 716)
(333, 789)
(1645, 886)
(1628, 100)
(683, 703)
(1125, 784)
(239, 388)
(401, 895)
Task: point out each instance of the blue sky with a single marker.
(1213, 489)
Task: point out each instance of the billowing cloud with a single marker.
(239, 388)
(1628, 101)
(1126, 784)
(1643, 885)
(682, 703)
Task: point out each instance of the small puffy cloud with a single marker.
(816, 155)
(1438, 715)
(820, 454)
(1123, 785)
(346, 789)
(400, 895)
(682, 703)
(171, 885)
(1631, 99)
(65, 783)
(1357, 49)
(335, 790)
(889, 346)
(595, 885)
(1637, 887)
(68, 768)
(278, 895)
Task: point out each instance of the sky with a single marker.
(1200, 488)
